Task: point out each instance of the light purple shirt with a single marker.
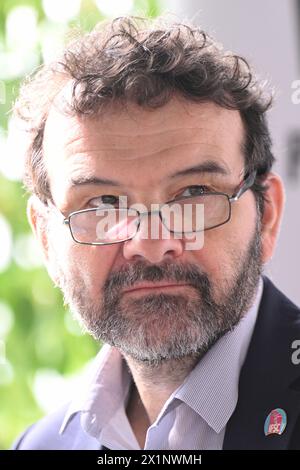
(193, 418)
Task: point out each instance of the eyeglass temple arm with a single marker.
(245, 185)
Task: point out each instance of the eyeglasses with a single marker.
(106, 226)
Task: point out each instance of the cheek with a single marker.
(225, 246)
(91, 265)
(215, 258)
(88, 265)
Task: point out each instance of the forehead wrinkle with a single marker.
(133, 155)
(121, 153)
(132, 143)
(89, 130)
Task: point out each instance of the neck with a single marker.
(152, 387)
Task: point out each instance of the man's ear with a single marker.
(37, 217)
(273, 211)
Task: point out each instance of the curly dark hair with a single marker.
(145, 62)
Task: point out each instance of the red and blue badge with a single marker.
(275, 422)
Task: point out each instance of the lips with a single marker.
(152, 285)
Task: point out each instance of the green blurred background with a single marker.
(42, 351)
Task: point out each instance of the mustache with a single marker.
(130, 274)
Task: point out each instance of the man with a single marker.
(153, 199)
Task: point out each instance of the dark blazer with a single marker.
(268, 380)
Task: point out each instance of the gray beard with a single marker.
(159, 327)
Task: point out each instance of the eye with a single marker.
(195, 190)
(106, 199)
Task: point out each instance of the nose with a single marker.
(153, 241)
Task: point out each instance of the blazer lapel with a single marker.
(268, 379)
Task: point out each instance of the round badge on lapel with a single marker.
(275, 422)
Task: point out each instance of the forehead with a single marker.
(139, 144)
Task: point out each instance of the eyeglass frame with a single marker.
(244, 185)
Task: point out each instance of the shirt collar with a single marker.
(211, 389)
(106, 381)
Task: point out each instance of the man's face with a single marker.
(139, 149)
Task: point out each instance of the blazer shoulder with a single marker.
(275, 300)
(44, 434)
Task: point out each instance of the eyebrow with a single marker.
(88, 180)
(207, 167)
